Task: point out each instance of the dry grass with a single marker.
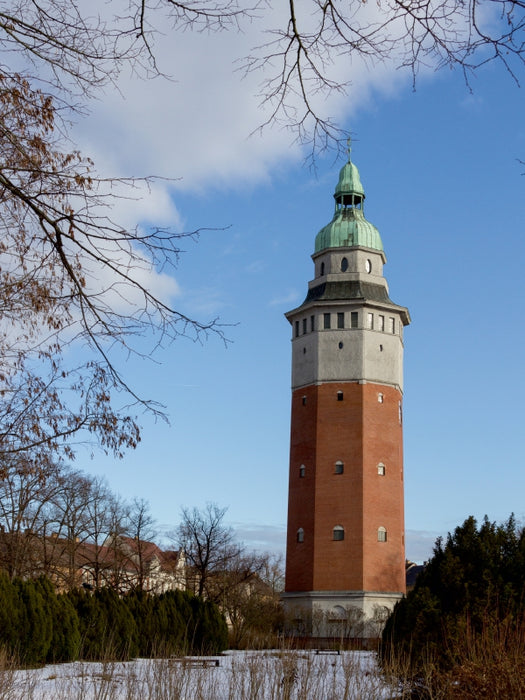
(284, 675)
(486, 665)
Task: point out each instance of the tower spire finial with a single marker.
(349, 147)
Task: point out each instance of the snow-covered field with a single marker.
(270, 675)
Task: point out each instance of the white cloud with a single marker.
(198, 126)
(199, 129)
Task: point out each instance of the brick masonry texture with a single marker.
(361, 431)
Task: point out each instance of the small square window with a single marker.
(339, 468)
(353, 319)
(340, 319)
(326, 320)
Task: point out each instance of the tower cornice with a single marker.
(349, 292)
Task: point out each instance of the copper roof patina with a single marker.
(348, 228)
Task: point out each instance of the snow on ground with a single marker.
(269, 675)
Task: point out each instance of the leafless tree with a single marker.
(142, 531)
(250, 599)
(244, 584)
(68, 272)
(116, 576)
(103, 513)
(209, 546)
(310, 55)
(25, 494)
(70, 523)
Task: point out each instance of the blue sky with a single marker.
(444, 185)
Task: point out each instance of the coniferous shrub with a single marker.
(35, 622)
(66, 632)
(176, 622)
(91, 623)
(65, 636)
(10, 612)
(39, 626)
(121, 628)
(177, 613)
(209, 631)
(143, 610)
(107, 628)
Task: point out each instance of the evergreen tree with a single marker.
(472, 582)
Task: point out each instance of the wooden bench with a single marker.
(200, 662)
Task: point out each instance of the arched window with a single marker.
(302, 471)
(322, 269)
(339, 467)
(381, 534)
(338, 533)
(344, 264)
(380, 398)
(381, 469)
(340, 396)
(338, 614)
(300, 535)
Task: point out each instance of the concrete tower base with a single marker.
(337, 615)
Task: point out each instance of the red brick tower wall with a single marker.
(361, 432)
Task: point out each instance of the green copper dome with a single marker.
(349, 181)
(348, 227)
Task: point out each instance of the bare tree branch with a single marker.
(304, 60)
